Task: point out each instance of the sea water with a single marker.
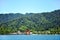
(29, 37)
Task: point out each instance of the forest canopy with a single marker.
(10, 23)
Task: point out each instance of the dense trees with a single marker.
(10, 23)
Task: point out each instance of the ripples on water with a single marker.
(29, 37)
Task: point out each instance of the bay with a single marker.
(29, 37)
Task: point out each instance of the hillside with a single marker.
(46, 21)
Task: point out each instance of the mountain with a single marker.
(34, 21)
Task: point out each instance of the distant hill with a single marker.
(34, 21)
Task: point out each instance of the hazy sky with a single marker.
(27, 6)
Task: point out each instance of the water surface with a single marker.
(29, 37)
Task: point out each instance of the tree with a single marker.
(23, 28)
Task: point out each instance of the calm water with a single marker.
(29, 37)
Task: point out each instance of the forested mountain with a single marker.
(10, 23)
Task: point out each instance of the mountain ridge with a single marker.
(35, 22)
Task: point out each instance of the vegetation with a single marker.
(36, 22)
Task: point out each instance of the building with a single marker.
(19, 32)
(27, 32)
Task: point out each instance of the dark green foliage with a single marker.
(10, 23)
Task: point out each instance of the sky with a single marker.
(28, 6)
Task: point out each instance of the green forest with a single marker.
(35, 22)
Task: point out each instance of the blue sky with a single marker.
(28, 6)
